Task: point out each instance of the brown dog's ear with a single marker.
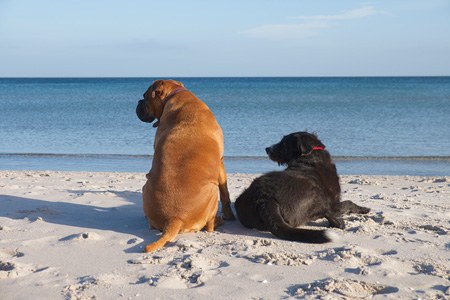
(157, 88)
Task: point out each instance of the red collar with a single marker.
(172, 93)
(317, 148)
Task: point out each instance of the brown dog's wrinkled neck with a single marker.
(166, 99)
(173, 93)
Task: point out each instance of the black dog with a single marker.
(307, 190)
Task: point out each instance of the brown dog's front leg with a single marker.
(227, 212)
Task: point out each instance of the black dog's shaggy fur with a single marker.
(307, 190)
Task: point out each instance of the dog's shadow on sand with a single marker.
(127, 218)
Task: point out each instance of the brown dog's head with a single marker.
(151, 107)
(294, 146)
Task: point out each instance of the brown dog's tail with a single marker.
(170, 231)
(275, 223)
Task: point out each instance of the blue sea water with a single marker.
(374, 125)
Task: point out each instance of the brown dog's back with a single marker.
(180, 194)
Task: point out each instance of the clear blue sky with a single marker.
(133, 38)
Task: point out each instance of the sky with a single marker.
(203, 38)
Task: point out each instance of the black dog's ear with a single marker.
(306, 143)
(291, 147)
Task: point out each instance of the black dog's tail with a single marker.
(275, 223)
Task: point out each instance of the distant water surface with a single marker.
(368, 123)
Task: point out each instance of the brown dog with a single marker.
(180, 194)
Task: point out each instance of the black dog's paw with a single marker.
(364, 210)
(350, 207)
(334, 222)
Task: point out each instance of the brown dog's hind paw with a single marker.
(213, 224)
(228, 217)
(227, 212)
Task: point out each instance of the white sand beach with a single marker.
(81, 235)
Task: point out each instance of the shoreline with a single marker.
(94, 155)
(416, 166)
(76, 235)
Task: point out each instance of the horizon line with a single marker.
(284, 76)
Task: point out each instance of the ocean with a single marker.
(370, 125)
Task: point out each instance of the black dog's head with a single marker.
(151, 107)
(294, 146)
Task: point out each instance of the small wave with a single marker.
(398, 158)
(60, 155)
